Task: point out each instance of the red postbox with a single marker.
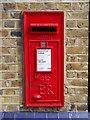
(44, 58)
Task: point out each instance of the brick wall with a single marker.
(76, 42)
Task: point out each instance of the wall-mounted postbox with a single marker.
(44, 58)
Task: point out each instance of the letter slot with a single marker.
(43, 29)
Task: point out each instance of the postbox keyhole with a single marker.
(36, 75)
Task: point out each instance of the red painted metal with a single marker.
(44, 87)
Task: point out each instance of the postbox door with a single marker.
(44, 71)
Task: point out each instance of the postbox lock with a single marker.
(36, 96)
(37, 76)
